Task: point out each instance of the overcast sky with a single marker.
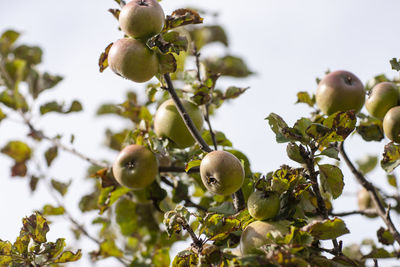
(287, 43)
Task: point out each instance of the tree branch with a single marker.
(380, 209)
(177, 169)
(207, 119)
(185, 116)
(367, 212)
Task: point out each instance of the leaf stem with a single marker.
(380, 209)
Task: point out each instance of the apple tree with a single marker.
(176, 178)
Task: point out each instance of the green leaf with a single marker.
(304, 97)
(385, 237)
(60, 187)
(370, 129)
(5, 253)
(180, 191)
(331, 179)
(108, 248)
(278, 126)
(218, 227)
(51, 154)
(226, 208)
(39, 82)
(228, 66)
(2, 115)
(298, 237)
(53, 211)
(181, 17)
(326, 229)
(178, 42)
(59, 108)
(14, 100)
(331, 152)
(125, 216)
(7, 39)
(167, 63)
(31, 54)
(17, 150)
(234, 92)
(220, 138)
(191, 164)
(391, 157)
(295, 152)
(395, 64)
(392, 180)
(161, 257)
(208, 34)
(69, 256)
(185, 258)
(367, 164)
(16, 70)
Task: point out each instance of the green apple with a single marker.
(142, 18)
(340, 91)
(169, 123)
(263, 205)
(256, 233)
(221, 172)
(133, 60)
(391, 124)
(383, 97)
(135, 167)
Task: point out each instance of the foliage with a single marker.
(138, 227)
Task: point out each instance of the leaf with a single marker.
(326, 229)
(7, 39)
(125, 216)
(208, 34)
(181, 17)
(395, 64)
(16, 70)
(220, 138)
(17, 150)
(13, 99)
(167, 63)
(218, 227)
(185, 258)
(367, 164)
(226, 208)
(278, 126)
(51, 154)
(392, 180)
(115, 12)
(331, 152)
(161, 257)
(331, 179)
(191, 164)
(385, 237)
(60, 187)
(228, 66)
(103, 60)
(51, 210)
(31, 54)
(19, 169)
(36, 226)
(370, 129)
(234, 92)
(391, 157)
(59, 108)
(304, 97)
(38, 82)
(68, 256)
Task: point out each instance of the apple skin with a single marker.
(135, 167)
(133, 60)
(391, 124)
(255, 235)
(221, 172)
(169, 123)
(383, 97)
(142, 18)
(340, 91)
(263, 205)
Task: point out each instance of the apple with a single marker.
(391, 124)
(142, 18)
(383, 97)
(133, 60)
(256, 233)
(221, 172)
(135, 167)
(340, 91)
(263, 205)
(169, 123)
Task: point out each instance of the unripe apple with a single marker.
(391, 124)
(221, 172)
(135, 167)
(383, 97)
(169, 123)
(340, 91)
(133, 60)
(142, 18)
(255, 235)
(263, 205)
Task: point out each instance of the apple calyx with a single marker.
(143, 3)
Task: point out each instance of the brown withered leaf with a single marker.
(103, 62)
(182, 17)
(115, 12)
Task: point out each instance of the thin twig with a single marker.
(380, 209)
(185, 116)
(207, 119)
(367, 212)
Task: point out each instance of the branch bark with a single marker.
(380, 209)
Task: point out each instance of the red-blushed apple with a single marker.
(169, 123)
(133, 60)
(221, 172)
(383, 97)
(135, 167)
(391, 124)
(340, 91)
(142, 18)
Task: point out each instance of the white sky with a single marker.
(288, 43)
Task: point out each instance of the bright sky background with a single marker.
(287, 43)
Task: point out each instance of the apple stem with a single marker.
(185, 116)
(380, 209)
(143, 3)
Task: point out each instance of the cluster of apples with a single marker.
(130, 57)
(343, 91)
